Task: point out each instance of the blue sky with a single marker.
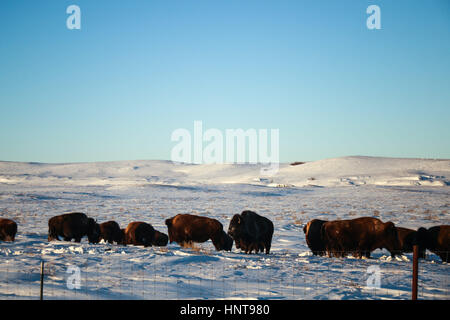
(138, 70)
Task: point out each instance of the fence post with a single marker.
(415, 271)
(41, 296)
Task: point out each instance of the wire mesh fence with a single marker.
(195, 275)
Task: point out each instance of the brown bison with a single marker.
(110, 231)
(8, 229)
(187, 228)
(437, 240)
(408, 238)
(359, 237)
(313, 236)
(139, 233)
(251, 231)
(74, 225)
(142, 233)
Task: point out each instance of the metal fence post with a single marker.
(41, 296)
(415, 271)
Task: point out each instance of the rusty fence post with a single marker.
(415, 272)
(41, 296)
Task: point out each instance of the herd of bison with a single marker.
(251, 232)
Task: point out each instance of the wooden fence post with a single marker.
(415, 271)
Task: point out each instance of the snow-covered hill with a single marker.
(329, 172)
(409, 192)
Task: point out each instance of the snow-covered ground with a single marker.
(409, 192)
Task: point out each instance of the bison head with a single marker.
(226, 242)
(119, 236)
(93, 231)
(236, 226)
(390, 239)
(422, 240)
(123, 237)
(160, 239)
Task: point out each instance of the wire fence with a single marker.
(280, 275)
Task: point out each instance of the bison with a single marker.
(8, 229)
(139, 233)
(73, 225)
(142, 233)
(251, 231)
(437, 240)
(110, 231)
(313, 236)
(359, 236)
(187, 228)
(408, 238)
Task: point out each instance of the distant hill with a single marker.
(344, 171)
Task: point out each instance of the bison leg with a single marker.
(267, 245)
(244, 247)
(261, 246)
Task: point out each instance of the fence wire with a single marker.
(197, 276)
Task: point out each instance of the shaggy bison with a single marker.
(110, 231)
(142, 233)
(186, 228)
(437, 240)
(8, 229)
(74, 225)
(139, 233)
(359, 236)
(251, 231)
(313, 236)
(408, 238)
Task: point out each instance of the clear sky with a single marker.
(138, 70)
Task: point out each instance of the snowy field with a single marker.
(409, 192)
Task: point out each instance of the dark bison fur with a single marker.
(408, 238)
(161, 239)
(139, 233)
(74, 225)
(313, 236)
(8, 229)
(187, 228)
(437, 240)
(110, 231)
(359, 237)
(251, 232)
